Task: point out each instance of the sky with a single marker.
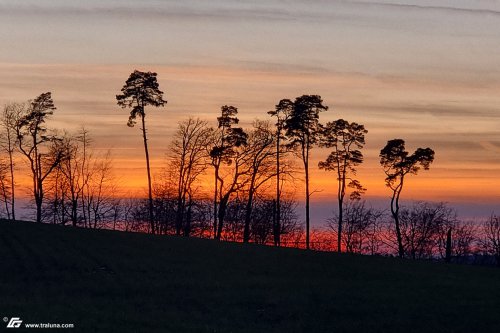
(424, 71)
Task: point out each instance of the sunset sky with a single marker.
(424, 71)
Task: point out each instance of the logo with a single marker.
(15, 322)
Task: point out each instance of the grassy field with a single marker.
(104, 281)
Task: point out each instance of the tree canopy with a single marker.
(140, 90)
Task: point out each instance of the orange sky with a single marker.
(466, 148)
(426, 71)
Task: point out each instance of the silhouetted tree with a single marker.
(234, 218)
(102, 188)
(188, 160)
(491, 238)
(5, 189)
(8, 142)
(225, 151)
(346, 139)
(81, 189)
(282, 111)
(199, 213)
(448, 246)
(71, 169)
(87, 165)
(397, 163)
(463, 239)
(55, 209)
(140, 90)
(35, 144)
(361, 225)
(422, 226)
(260, 162)
(302, 129)
(165, 203)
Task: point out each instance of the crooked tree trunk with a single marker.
(150, 191)
(248, 217)
(37, 192)
(277, 206)
(221, 215)
(395, 215)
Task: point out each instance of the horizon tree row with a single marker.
(71, 185)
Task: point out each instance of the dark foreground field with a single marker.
(120, 282)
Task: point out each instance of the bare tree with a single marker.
(282, 112)
(74, 189)
(71, 168)
(140, 90)
(55, 208)
(5, 188)
(491, 238)
(262, 226)
(8, 142)
(457, 240)
(431, 231)
(421, 228)
(199, 215)
(165, 193)
(35, 144)
(361, 225)
(397, 164)
(99, 194)
(260, 165)
(302, 129)
(188, 161)
(347, 140)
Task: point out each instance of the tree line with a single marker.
(252, 170)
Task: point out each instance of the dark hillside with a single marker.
(122, 282)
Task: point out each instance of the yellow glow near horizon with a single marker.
(466, 148)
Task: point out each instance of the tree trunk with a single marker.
(216, 193)
(74, 212)
(339, 235)
(448, 246)
(6, 201)
(12, 184)
(395, 215)
(179, 216)
(187, 226)
(277, 206)
(248, 216)
(38, 203)
(306, 166)
(150, 191)
(277, 222)
(221, 214)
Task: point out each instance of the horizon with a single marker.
(426, 72)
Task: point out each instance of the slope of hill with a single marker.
(121, 282)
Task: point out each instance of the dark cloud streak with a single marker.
(474, 11)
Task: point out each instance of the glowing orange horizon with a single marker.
(394, 107)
